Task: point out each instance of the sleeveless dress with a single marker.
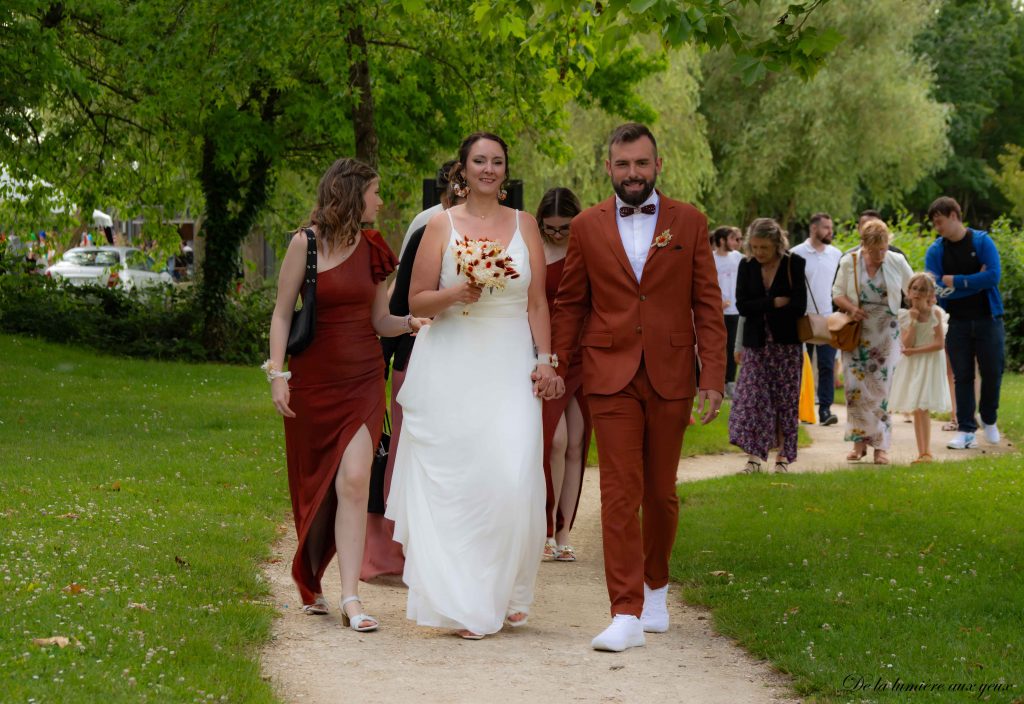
(920, 380)
(555, 408)
(467, 495)
(337, 386)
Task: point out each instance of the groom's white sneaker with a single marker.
(654, 618)
(625, 632)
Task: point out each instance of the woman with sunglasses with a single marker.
(566, 421)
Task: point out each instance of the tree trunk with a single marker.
(362, 93)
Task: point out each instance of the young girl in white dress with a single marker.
(919, 383)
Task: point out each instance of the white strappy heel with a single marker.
(355, 622)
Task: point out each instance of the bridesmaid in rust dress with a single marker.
(332, 397)
(566, 420)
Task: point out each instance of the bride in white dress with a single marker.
(467, 495)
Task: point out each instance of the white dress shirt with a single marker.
(421, 219)
(637, 232)
(728, 265)
(821, 272)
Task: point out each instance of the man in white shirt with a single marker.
(726, 241)
(822, 263)
(423, 217)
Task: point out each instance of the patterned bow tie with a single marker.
(627, 210)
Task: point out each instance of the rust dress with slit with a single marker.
(337, 386)
(555, 408)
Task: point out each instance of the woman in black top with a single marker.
(771, 295)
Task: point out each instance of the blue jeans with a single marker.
(981, 341)
(826, 362)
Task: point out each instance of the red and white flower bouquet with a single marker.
(484, 263)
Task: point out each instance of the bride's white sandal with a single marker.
(355, 622)
(519, 622)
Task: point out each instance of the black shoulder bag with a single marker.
(304, 320)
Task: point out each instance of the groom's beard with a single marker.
(635, 198)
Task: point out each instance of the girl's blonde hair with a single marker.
(925, 278)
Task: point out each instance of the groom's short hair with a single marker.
(630, 132)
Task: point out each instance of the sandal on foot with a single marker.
(565, 554)
(855, 456)
(951, 427)
(881, 457)
(781, 467)
(361, 622)
(751, 467)
(549, 550)
(923, 458)
(467, 634)
(317, 608)
(518, 622)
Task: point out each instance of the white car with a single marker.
(125, 267)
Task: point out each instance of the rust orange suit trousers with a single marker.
(639, 436)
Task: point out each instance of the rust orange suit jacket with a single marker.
(674, 307)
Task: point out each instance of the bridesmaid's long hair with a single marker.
(339, 203)
(557, 203)
(455, 175)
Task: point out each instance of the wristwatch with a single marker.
(550, 359)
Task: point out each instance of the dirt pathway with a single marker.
(313, 659)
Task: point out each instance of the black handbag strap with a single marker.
(310, 278)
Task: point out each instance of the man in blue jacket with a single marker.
(965, 264)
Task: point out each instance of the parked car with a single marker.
(125, 267)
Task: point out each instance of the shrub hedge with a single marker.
(162, 323)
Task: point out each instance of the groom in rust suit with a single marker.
(640, 295)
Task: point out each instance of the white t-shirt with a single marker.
(637, 232)
(821, 272)
(728, 265)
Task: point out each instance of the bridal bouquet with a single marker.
(484, 263)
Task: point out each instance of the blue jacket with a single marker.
(969, 284)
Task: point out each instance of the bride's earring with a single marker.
(502, 194)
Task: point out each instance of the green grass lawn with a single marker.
(872, 574)
(138, 500)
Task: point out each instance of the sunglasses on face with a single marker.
(554, 231)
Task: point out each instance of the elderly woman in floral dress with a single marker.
(868, 287)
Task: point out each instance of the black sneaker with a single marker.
(830, 419)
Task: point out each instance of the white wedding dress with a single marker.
(467, 495)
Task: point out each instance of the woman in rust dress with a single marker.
(332, 397)
(566, 421)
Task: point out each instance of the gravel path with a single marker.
(313, 659)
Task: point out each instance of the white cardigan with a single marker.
(895, 271)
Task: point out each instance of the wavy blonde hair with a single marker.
(340, 204)
(766, 229)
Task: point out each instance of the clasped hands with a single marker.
(547, 384)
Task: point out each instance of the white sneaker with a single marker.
(962, 441)
(991, 433)
(624, 632)
(655, 614)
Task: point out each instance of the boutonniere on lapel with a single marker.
(663, 239)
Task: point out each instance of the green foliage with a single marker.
(865, 127)
(1009, 179)
(140, 499)
(162, 323)
(977, 50)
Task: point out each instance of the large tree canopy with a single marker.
(205, 105)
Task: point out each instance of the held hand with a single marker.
(466, 293)
(738, 356)
(417, 324)
(909, 351)
(726, 304)
(947, 281)
(859, 314)
(546, 383)
(280, 394)
(709, 402)
(781, 301)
